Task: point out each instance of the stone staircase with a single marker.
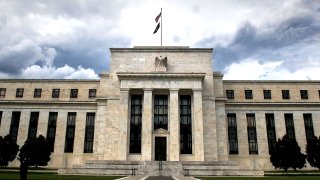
(165, 168)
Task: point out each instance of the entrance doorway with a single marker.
(160, 149)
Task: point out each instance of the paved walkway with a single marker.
(159, 178)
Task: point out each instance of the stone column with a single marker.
(6, 122)
(100, 129)
(146, 136)
(23, 127)
(43, 123)
(174, 140)
(300, 130)
(197, 124)
(78, 145)
(123, 124)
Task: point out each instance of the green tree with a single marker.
(313, 152)
(287, 154)
(41, 152)
(8, 150)
(24, 157)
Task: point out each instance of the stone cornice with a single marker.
(183, 49)
(271, 81)
(50, 80)
(129, 75)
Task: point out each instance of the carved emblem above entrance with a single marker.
(160, 64)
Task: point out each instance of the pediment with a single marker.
(160, 131)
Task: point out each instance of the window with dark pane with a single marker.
(51, 132)
(0, 117)
(271, 131)
(304, 94)
(232, 133)
(230, 94)
(308, 125)
(289, 126)
(37, 93)
(285, 94)
(71, 123)
(252, 133)
(14, 126)
(161, 112)
(33, 125)
(55, 93)
(135, 124)
(92, 93)
(74, 93)
(248, 94)
(89, 133)
(185, 125)
(267, 94)
(2, 92)
(19, 92)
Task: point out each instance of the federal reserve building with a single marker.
(160, 106)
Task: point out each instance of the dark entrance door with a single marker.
(160, 149)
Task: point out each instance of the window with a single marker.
(285, 94)
(2, 92)
(230, 94)
(289, 126)
(19, 92)
(71, 123)
(74, 93)
(252, 134)
(308, 125)
(37, 93)
(161, 112)
(0, 117)
(51, 133)
(185, 125)
(14, 126)
(248, 94)
(271, 131)
(92, 93)
(267, 94)
(135, 124)
(232, 133)
(319, 93)
(304, 94)
(89, 133)
(33, 124)
(55, 93)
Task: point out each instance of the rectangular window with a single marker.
(248, 94)
(37, 93)
(185, 125)
(14, 126)
(289, 126)
(33, 125)
(161, 112)
(230, 94)
(89, 133)
(232, 133)
(71, 124)
(285, 94)
(135, 124)
(2, 92)
(0, 117)
(55, 93)
(92, 93)
(304, 94)
(74, 93)
(319, 93)
(19, 92)
(271, 131)
(308, 125)
(51, 132)
(267, 94)
(252, 134)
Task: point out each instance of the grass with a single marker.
(263, 178)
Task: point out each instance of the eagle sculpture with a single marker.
(161, 62)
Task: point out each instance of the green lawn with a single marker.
(264, 178)
(45, 176)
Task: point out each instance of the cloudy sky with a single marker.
(265, 39)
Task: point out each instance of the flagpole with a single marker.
(161, 26)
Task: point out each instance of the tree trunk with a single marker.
(23, 171)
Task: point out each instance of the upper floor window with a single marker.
(19, 92)
(2, 92)
(319, 93)
(55, 93)
(304, 94)
(92, 93)
(230, 94)
(37, 93)
(74, 93)
(267, 94)
(285, 94)
(248, 94)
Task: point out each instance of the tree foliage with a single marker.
(8, 150)
(313, 152)
(287, 154)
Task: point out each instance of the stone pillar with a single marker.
(197, 124)
(300, 130)
(123, 124)
(5, 123)
(146, 136)
(174, 140)
(78, 145)
(43, 123)
(23, 127)
(100, 129)
(242, 131)
(262, 137)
